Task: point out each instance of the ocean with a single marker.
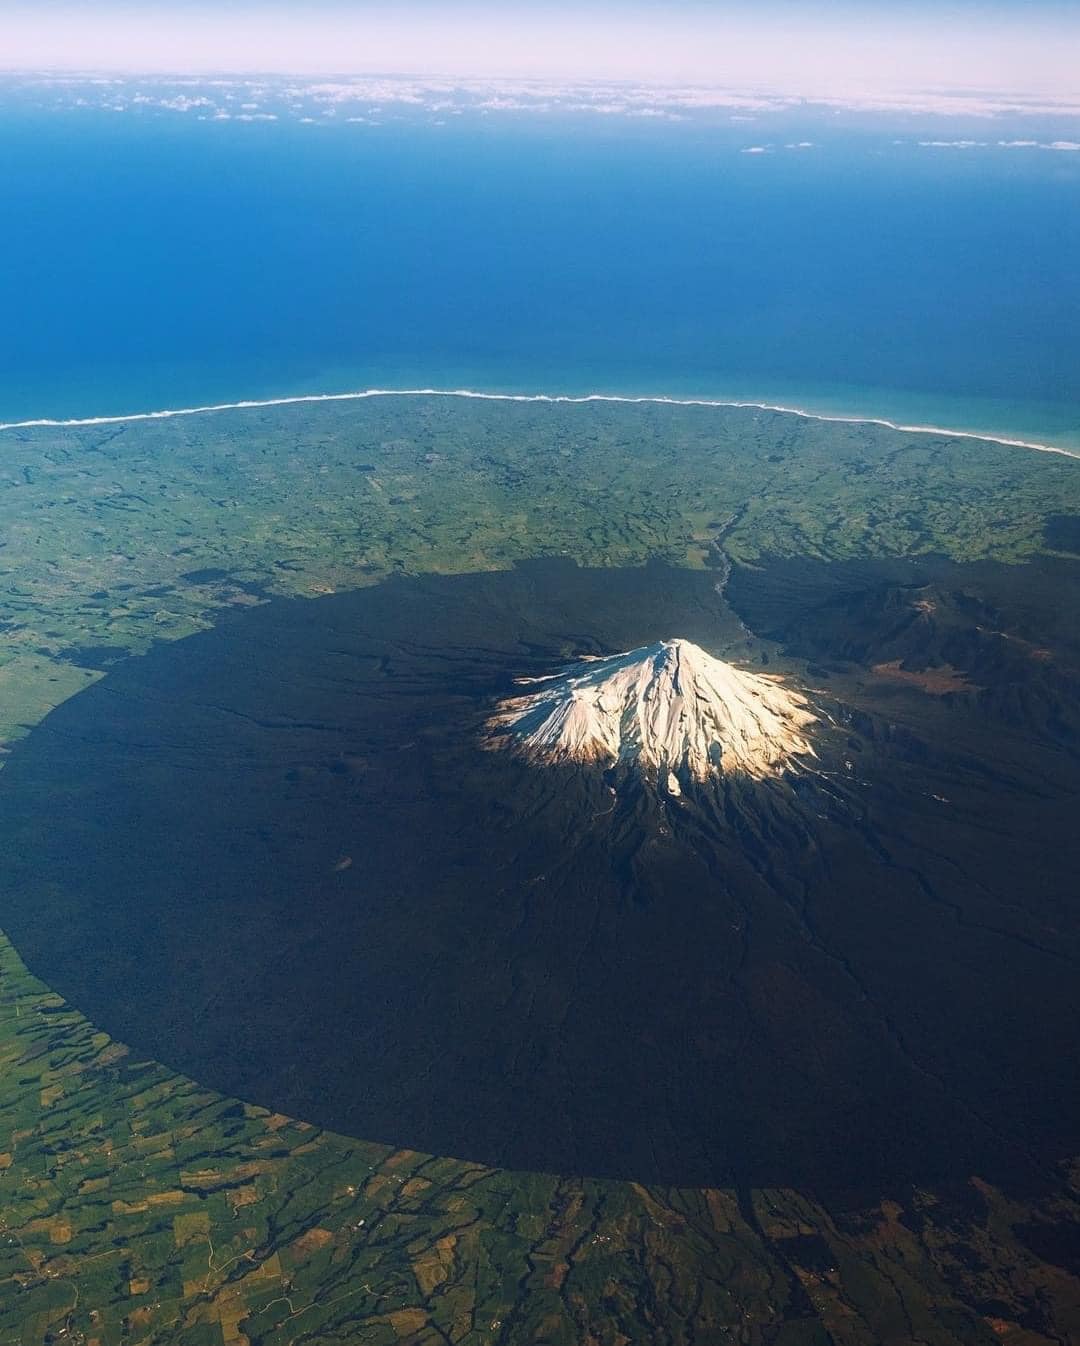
(149, 263)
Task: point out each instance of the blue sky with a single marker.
(1031, 46)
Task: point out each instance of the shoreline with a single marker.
(552, 398)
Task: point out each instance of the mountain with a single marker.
(916, 625)
(669, 709)
(844, 978)
(976, 645)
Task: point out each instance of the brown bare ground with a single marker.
(934, 681)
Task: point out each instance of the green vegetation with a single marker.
(116, 536)
(137, 1207)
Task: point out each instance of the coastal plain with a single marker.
(138, 1206)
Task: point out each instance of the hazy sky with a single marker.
(1023, 45)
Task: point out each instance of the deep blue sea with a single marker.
(163, 262)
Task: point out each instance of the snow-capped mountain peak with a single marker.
(668, 708)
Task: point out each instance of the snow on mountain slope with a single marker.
(668, 707)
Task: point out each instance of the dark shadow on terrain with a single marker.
(273, 856)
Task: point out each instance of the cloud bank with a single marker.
(376, 99)
(821, 51)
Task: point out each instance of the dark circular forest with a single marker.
(276, 856)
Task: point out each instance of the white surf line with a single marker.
(554, 398)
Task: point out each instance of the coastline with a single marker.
(553, 398)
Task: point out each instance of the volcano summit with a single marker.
(279, 856)
(665, 708)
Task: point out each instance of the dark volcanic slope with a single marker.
(273, 855)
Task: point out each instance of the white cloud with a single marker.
(869, 51)
(182, 103)
(998, 144)
(363, 96)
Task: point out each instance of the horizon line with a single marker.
(763, 84)
(57, 423)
